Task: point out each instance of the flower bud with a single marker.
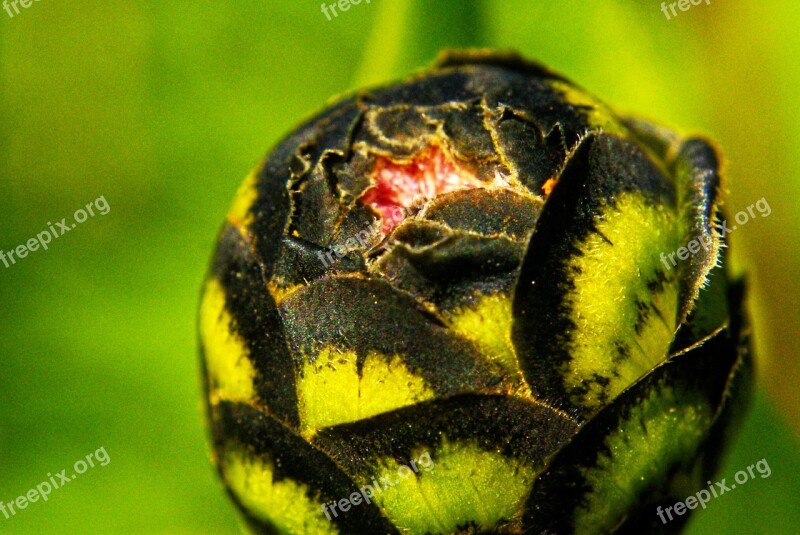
(456, 304)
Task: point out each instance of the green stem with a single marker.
(408, 34)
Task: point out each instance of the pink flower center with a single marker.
(401, 189)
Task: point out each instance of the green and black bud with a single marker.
(475, 266)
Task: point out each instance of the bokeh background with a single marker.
(163, 107)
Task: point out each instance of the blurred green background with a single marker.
(164, 107)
